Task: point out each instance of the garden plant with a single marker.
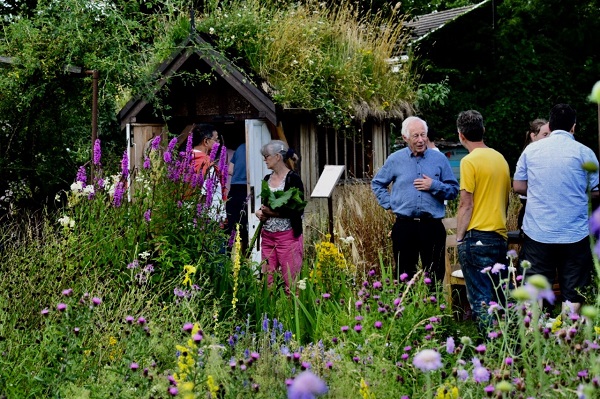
(134, 292)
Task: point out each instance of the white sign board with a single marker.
(326, 183)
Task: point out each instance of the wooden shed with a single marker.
(242, 111)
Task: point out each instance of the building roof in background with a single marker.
(423, 25)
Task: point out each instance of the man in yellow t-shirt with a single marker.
(481, 234)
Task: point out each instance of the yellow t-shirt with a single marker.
(485, 173)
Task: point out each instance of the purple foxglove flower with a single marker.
(118, 196)
(81, 176)
(125, 164)
(97, 152)
(155, 143)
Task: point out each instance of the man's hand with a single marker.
(423, 184)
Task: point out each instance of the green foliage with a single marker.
(535, 55)
(315, 56)
(290, 199)
(46, 110)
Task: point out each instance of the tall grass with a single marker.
(317, 55)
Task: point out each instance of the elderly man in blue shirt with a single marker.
(550, 172)
(422, 179)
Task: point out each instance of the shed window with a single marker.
(352, 149)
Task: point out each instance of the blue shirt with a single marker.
(402, 168)
(557, 185)
(239, 165)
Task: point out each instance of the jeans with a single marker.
(478, 250)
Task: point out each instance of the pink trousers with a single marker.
(281, 252)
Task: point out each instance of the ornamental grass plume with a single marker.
(306, 385)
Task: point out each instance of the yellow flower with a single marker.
(597, 329)
(112, 341)
(556, 324)
(189, 270)
(365, 392)
(213, 387)
(186, 390)
(235, 255)
(447, 392)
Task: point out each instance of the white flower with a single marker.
(211, 31)
(302, 284)
(347, 240)
(77, 187)
(89, 190)
(66, 221)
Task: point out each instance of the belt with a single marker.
(419, 219)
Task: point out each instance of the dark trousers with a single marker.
(237, 212)
(413, 238)
(572, 263)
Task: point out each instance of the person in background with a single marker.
(481, 219)
(556, 240)
(281, 237)
(422, 180)
(538, 129)
(204, 137)
(238, 196)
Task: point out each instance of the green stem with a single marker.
(254, 238)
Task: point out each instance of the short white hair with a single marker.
(408, 121)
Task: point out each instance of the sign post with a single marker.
(324, 188)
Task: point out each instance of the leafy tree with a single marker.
(535, 54)
(45, 110)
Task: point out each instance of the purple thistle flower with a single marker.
(118, 196)
(403, 276)
(45, 312)
(326, 295)
(81, 176)
(358, 304)
(358, 328)
(61, 307)
(125, 164)
(188, 327)
(67, 292)
(134, 366)
(129, 319)
(508, 361)
(344, 328)
(480, 348)
(141, 321)
(306, 386)
(96, 301)
(197, 337)
(427, 280)
(147, 215)
(146, 163)
(97, 152)
(378, 324)
(76, 330)
(489, 389)
(173, 391)
(377, 284)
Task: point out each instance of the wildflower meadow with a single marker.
(132, 290)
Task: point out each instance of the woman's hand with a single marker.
(265, 213)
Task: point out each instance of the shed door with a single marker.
(257, 134)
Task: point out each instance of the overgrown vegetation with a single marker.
(317, 55)
(110, 298)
